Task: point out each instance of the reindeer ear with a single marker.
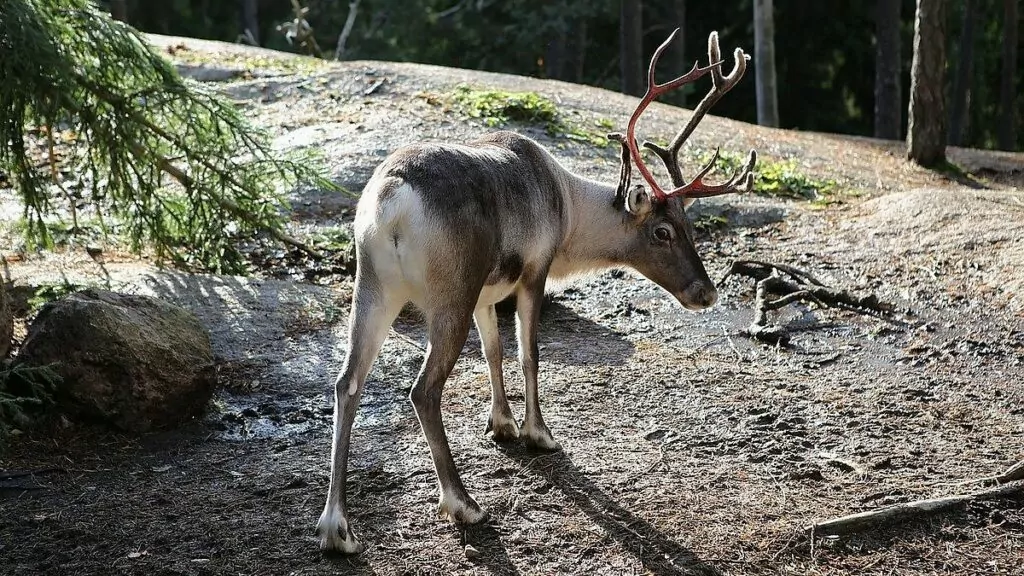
(638, 201)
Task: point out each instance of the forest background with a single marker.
(841, 67)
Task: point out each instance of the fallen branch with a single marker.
(12, 474)
(1014, 472)
(909, 510)
(779, 285)
(184, 179)
(300, 30)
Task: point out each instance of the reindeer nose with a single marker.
(700, 295)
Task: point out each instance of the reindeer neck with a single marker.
(595, 233)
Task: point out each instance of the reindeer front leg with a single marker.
(501, 424)
(528, 301)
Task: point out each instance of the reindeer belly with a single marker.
(502, 279)
(494, 293)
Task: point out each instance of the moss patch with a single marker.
(290, 64)
(710, 223)
(498, 108)
(47, 292)
(780, 178)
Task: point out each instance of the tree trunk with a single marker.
(679, 46)
(888, 60)
(119, 10)
(579, 51)
(6, 322)
(251, 20)
(961, 87)
(1007, 132)
(555, 54)
(926, 125)
(573, 45)
(764, 63)
(346, 30)
(631, 51)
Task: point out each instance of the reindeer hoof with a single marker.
(538, 437)
(502, 429)
(460, 510)
(336, 535)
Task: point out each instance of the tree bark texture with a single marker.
(764, 63)
(555, 53)
(631, 52)
(6, 322)
(346, 30)
(566, 49)
(964, 73)
(579, 51)
(119, 10)
(679, 46)
(251, 19)
(926, 126)
(1007, 133)
(888, 58)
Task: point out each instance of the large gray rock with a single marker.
(133, 362)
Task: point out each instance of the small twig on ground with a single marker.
(725, 334)
(773, 292)
(373, 87)
(889, 515)
(661, 458)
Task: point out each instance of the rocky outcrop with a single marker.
(135, 363)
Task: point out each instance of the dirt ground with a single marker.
(688, 448)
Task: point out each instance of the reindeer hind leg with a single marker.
(448, 327)
(373, 311)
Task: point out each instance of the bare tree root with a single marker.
(889, 515)
(779, 285)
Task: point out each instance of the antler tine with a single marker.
(720, 85)
(653, 91)
(659, 89)
(740, 181)
(723, 84)
(625, 171)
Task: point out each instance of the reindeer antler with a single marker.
(625, 170)
(696, 188)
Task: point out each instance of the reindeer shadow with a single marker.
(561, 333)
(658, 553)
(485, 538)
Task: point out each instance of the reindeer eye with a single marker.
(662, 233)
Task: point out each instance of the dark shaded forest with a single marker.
(825, 52)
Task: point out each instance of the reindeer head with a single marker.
(663, 250)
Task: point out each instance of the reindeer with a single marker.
(456, 228)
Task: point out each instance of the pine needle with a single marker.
(169, 165)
